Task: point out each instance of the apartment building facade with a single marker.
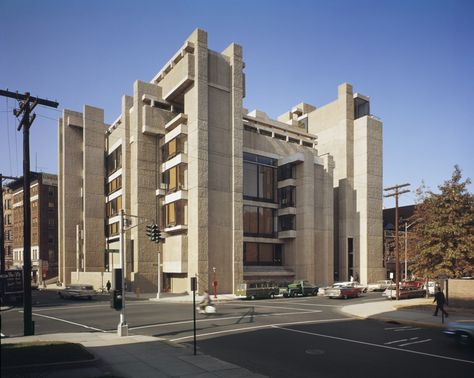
(44, 222)
(240, 196)
(8, 226)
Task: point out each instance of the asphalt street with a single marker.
(283, 337)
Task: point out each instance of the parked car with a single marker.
(363, 289)
(404, 292)
(412, 284)
(254, 290)
(343, 291)
(301, 287)
(380, 285)
(77, 291)
(431, 287)
(462, 331)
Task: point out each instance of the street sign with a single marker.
(14, 281)
(112, 251)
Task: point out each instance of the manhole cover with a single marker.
(315, 352)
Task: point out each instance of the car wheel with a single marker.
(464, 339)
(291, 294)
(252, 297)
(345, 296)
(60, 295)
(315, 292)
(272, 295)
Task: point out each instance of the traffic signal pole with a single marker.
(122, 328)
(27, 104)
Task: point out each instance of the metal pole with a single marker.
(77, 251)
(123, 326)
(397, 250)
(406, 247)
(159, 276)
(194, 284)
(28, 326)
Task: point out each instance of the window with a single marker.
(114, 185)
(259, 221)
(50, 204)
(174, 214)
(259, 177)
(287, 171)
(287, 196)
(174, 178)
(262, 254)
(287, 222)
(113, 229)
(50, 192)
(114, 160)
(172, 148)
(114, 206)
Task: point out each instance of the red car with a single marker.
(343, 292)
(412, 284)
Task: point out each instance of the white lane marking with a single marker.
(69, 322)
(400, 341)
(63, 308)
(374, 345)
(260, 327)
(316, 304)
(407, 329)
(212, 319)
(280, 307)
(391, 328)
(416, 342)
(373, 300)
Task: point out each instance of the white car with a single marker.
(380, 285)
(77, 291)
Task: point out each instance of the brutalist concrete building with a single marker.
(240, 196)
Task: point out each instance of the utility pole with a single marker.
(395, 193)
(26, 105)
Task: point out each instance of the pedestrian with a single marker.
(205, 301)
(108, 285)
(440, 300)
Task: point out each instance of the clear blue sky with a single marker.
(415, 59)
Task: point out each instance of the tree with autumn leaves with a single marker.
(443, 233)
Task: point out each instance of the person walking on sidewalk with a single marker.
(440, 301)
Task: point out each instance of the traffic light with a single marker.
(116, 299)
(154, 233)
(149, 231)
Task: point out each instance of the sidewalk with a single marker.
(135, 356)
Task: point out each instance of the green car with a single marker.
(254, 290)
(301, 287)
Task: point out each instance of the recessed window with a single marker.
(114, 160)
(259, 221)
(259, 177)
(262, 254)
